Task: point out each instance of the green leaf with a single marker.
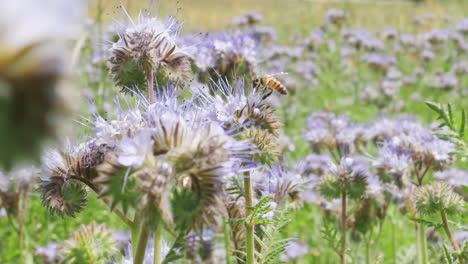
(126, 197)
(450, 114)
(447, 255)
(435, 106)
(465, 188)
(175, 252)
(428, 223)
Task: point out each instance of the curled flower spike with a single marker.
(430, 199)
(155, 187)
(64, 175)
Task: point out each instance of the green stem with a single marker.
(449, 235)
(393, 240)
(135, 229)
(343, 228)
(226, 240)
(141, 245)
(423, 241)
(249, 225)
(418, 244)
(367, 252)
(158, 242)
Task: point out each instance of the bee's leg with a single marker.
(266, 94)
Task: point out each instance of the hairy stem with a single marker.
(158, 242)
(135, 229)
(142, 242)
(249, 225)
(418, 244)
(423, 243)
(343, 228)
(150, 86)
(449, 235)
(226, 240)
(20, 228)
(119, 213)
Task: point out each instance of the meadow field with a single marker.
(217, 131)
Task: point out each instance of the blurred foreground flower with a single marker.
(33, 67)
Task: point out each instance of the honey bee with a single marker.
(268, 81)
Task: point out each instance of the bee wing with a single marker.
(276, 74)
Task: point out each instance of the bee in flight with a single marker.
(268, 81)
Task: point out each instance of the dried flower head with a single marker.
(430, 199)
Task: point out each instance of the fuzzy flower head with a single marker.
(348, 177)
(392, 159)
(177, 160)
(326, 130)
(336, 16)
(235, 105)
(220, 54)
(90, 244)
(430, 199)
(424, 148)
(14, 187)
(278, 183)
(314, 164)
(148, 45)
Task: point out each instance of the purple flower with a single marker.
(445, 81)
(390, 33)
(462, 26)
(455, 177)
(278, 183)
(294, 251)
(379, 61)
(363, 38)
(132, 152)
(336, 16)
(331, 131)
